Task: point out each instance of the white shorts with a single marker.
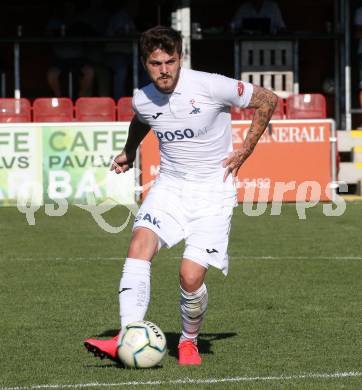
(199, 213)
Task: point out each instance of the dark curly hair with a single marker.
(160, 37)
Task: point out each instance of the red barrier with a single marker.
(291, 163)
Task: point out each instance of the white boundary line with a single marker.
(99, 258)
(296, 257)
(336, 375)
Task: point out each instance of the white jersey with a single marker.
(193, 123)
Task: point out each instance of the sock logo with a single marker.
(141, 294)
(124, 289)
(212, 250)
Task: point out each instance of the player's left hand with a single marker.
(122, 163)
(233, 163)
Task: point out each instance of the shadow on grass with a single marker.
(119, 365)
(205, 340)
(108, 333)
(112, 364)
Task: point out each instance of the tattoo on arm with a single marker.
(264, 102)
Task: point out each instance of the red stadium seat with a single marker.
(95, 109)
(53, 110)
(124, 109)
(306, 106)
(248, 113)
(15, 110)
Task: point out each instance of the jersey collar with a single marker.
(180, 83)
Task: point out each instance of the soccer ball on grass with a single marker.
(141, 344)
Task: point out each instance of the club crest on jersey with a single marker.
(240, 88)
(195, 110)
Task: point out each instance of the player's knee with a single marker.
(192, 275)
(144, 244)
(189, 281)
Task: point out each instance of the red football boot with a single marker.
(188, 354)
(103, 348)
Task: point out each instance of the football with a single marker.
(141, 344)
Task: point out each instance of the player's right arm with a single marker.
(137, 131)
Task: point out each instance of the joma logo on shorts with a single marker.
(154, 221)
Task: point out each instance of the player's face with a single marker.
(163, 69)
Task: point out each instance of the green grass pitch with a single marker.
(288, 316)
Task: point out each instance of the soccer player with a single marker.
(194, 195)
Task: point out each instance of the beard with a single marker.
(167, 84)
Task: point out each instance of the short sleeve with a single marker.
(230, 92)
(139, 116)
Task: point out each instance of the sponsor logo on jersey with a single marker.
(240, 88)
(175, 135)
(157, 115)
(195, 110)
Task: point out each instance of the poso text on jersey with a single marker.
(179, 135)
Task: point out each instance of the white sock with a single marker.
(134, 290)
(193, 307)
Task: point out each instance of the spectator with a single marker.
(68, 57)
(95, 19)
(258, 16)
(118, 55)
